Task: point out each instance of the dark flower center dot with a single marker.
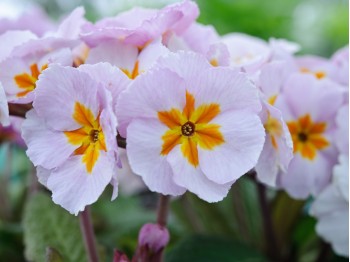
(188, 129)
(94, 135)
(302, 137)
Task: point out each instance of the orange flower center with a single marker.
(28, 81)
(89, 139)
(191, 128)
(308, 137)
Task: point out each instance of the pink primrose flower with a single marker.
(71, 136)
(140, 26)
(191, 126)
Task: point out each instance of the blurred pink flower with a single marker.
(305, 106)
(331, 208)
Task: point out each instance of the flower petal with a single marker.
(193, 179)
(244, 138)
(47, 148)
(144, 145)
(71, 186)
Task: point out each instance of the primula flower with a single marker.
(20, 74)
(21, 69)
(305, 107)
(130, 59)
(140, 26)
(70, 135)
(331, 208)
(191, 126)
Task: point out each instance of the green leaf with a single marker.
(52, 255)
(48, 225)
(210, 248)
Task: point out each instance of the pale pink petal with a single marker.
(306, 95)
(193, 179)
(200, 37)
(71, 26)
(332, 213)
(114, 52)
(150, 54)
(244, 138)
(218, 53)
(334, 228)
(57, 91)
(43, 175)
(305, 177)
(4, 109)
(114, 79)
(246, 52)
(230, 89)
(341, 61)
(341, 176)
(273, 77)
(186, 64)
(128, 181)
(342, 132)
(272, 160)
(73, 188)
(11, 39)
(143, 100)
(46, 148)
(144, 145)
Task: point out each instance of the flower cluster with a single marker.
(197, 110)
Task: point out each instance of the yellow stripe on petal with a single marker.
(77, 136)
(83, 115)
(171, 118)
(205, 113)
(209, 136)
(89, 138)
(90, 157)
(171, 138)
(25, 81)
(35, 71)
(190, 151)
(189, 107)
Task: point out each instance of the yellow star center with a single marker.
(308, 137)
(191, 128)
(89, 138)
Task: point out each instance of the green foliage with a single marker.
(212, 248)
(48, 225)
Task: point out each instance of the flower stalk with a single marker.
(88, 235)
